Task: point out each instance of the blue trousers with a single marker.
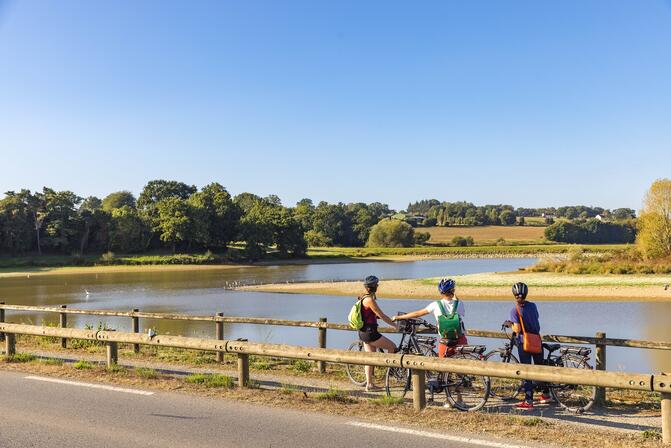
(528, 385)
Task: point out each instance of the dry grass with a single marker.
(508, 428)
(488, 234)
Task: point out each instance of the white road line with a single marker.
(91, 385)
(434, 435)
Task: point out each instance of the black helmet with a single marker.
(520, 289)
(371, 282)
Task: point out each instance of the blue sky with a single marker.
(528, 103)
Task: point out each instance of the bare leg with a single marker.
(384, 344)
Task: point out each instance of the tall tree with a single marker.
(220, 213)
(117, 200)
(654, 236)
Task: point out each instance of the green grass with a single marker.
(20, 357)
(530, 249)
(335, 395)
(301, 365)
(116, 368)
(82, 365)
(211, 380)
(386, 400)
(651, 434)
(147, 373)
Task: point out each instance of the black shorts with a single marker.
(369, 334)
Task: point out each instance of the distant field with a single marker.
(487, 234)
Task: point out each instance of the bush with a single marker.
(391, 233)
(460, 241)
(82, 365)
(591, 231)
(421, 237)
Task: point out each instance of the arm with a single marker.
(372, 304)
(515, 321)
(418, 313)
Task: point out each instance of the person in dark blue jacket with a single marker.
(530, 317)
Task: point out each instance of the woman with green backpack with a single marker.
(449, 312)
(364, 316)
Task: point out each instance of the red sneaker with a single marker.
(523, 405)
(546, 399)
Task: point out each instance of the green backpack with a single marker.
(355, 316)
(449, 325)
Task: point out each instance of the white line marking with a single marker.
(434, 435)
(91, 385)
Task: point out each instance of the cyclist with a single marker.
(530, 317)
(448, 300)
(371, 338)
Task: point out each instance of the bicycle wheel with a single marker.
(506, 389)
(466, 392)
(356, 373)
(574, 398)
(397, 382)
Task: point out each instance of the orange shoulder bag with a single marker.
(531, 343)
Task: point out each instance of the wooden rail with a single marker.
(418, 364)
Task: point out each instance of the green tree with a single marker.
(654, 235)
(117, 200)
(220, 215)
(507, 218)
(127, 230)
(16, 236)
(154, 193)
(333, 221)
(391, 233)
(174, 221)
(304, 212)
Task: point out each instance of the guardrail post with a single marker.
(2, 319)
(418, 389)
(136, 329)
(219, 334)
(112, 354)
(64, 324)
(321, 365)
(10, 344)
(243, 370)
(666, 418)
(600, 398)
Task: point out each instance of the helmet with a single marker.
(446, 285)
(371, 282)
(520, 289)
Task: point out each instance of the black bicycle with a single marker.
(462, 392)
(575, 398)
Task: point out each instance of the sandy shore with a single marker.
(114, 269)
(496, 286)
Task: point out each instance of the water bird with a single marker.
(87, 292)
(666, 287)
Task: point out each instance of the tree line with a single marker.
(171, 215)
(468, 214)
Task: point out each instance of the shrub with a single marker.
(421, 237)
(302, 365)
(391, 233)
(145, 372)
(461, 241)
(82, 365)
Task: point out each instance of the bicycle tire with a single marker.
(356, 373)
(505, 389)
(467, 393)
(398, 380)
(574, 398)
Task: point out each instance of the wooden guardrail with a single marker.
(600, 341)
(418, 364)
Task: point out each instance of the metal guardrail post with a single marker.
(600, 399)
(2, 319)
(10, 344)
(136, 329)
(219, 334)
(418, 389)
(64, 324)
(112, 354)
(321, 365)
(243, 370)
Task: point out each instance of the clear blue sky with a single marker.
(529, 103)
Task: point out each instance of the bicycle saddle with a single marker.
(551, 347)
(582, 351)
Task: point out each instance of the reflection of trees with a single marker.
(656, 328)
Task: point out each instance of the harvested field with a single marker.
(488, 234)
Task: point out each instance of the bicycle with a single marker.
(462, 392)
(574, 398)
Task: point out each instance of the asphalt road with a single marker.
(38, 413)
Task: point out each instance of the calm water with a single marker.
(203, 292)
